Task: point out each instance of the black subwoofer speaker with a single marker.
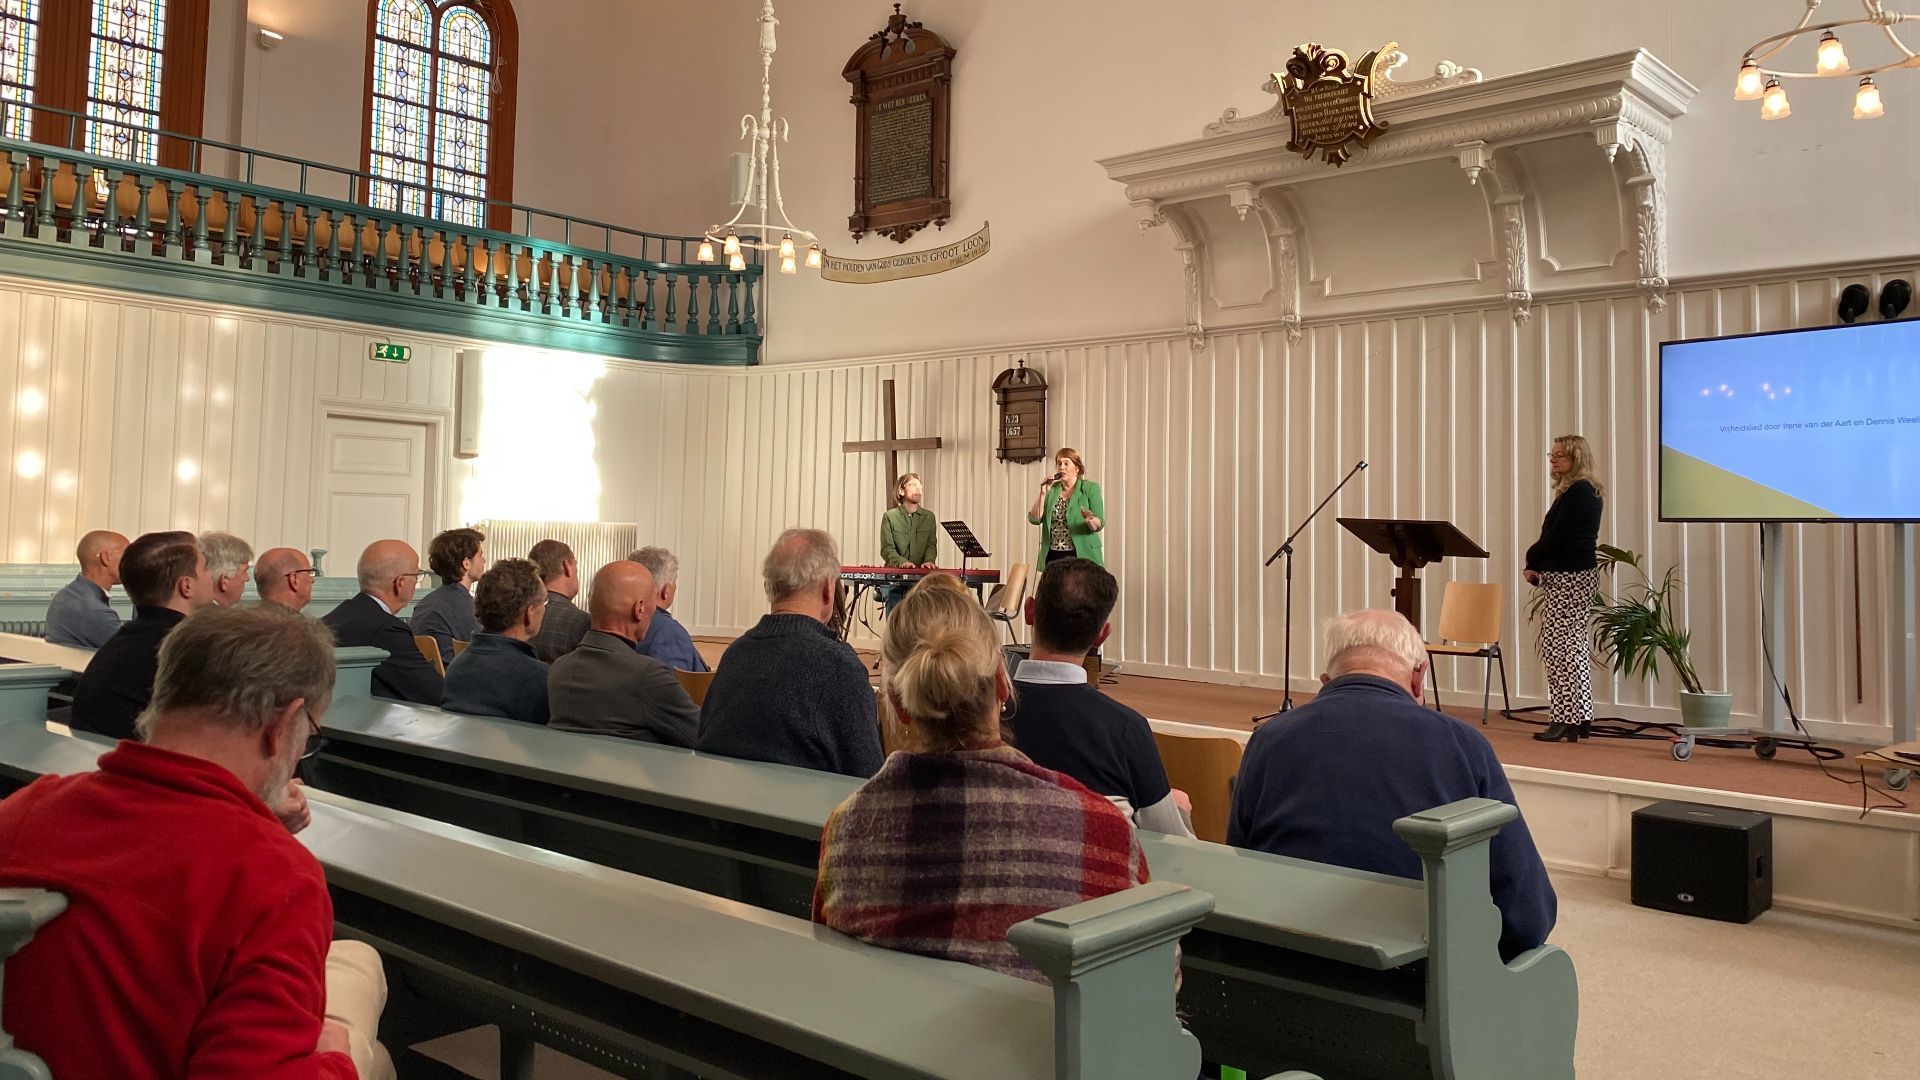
(1703, 860)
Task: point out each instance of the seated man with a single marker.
(196, 937)
(389, 571)
(605, 687)
(565, 623)
(788, 690)
(166, 577)
(1064, 724)
(228, 557)
(666, 641)
(498, 675)
(457, 557)
(79, 614)
(1326, 781)
(284, 576)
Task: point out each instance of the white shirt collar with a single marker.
(1051, 672)
(382, 603)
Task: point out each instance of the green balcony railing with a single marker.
(298, 236)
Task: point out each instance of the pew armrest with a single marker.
(1485, 1018)
(355, 664)
(22, 912)
(1113, 966)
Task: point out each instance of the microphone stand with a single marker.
(1286, 549)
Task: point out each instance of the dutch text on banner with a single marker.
(913, 264)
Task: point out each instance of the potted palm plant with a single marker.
(1635, 630)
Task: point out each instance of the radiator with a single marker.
(594, 543)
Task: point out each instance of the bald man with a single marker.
(79, 614)
(284, 576)
(389, 570)
(603, 686)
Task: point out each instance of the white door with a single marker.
(376, 487)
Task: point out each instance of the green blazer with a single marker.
(1086, 542)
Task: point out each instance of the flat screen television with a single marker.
(1799, 425)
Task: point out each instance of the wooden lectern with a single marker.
(1412, 545)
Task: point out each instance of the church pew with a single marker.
(23, 911)
(1350, 973)
(36, 667)
(632, 974)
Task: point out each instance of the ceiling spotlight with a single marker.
(1894, 297)
(1853, 302)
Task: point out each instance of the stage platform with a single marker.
(1579, 798)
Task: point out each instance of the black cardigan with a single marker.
(1570, 533)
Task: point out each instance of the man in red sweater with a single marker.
(195, 940)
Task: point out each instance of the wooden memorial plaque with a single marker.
(901, 80)
(1021, 394)
(1330, 101)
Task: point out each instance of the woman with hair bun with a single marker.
(959, 836)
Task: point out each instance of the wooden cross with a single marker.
(892, 444)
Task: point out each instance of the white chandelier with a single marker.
(1757, 82)
(763, 180)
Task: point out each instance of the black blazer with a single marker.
(1570, 533)
(118, 681)
(405, 673)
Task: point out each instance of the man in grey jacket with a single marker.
(604, 687)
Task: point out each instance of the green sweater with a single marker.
(908, 539)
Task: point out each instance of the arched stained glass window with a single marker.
(125, 66)
(435, 95)
(19, 50)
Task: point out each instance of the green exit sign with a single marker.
(395, 354)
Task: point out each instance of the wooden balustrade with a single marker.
(149, 228)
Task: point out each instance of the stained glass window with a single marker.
(19, 49)
(432, 110)
(123, 78)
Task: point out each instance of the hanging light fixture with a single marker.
(1866, 103)
(1757, 81)
(763, 179)
(1773, 105)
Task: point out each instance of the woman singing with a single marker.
(1069, 511)
(1562, 562)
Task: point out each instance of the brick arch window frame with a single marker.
(504, 30)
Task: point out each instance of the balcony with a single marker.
(312, 246)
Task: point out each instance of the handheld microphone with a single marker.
(1055, 476)
(1363, 464)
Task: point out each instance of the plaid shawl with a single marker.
(939, 854)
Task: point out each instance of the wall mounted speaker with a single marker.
(1894, 297)
(1853, 302)
(466, 403)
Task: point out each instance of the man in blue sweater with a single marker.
(499, 675)
(789, 690)
(1325, 782)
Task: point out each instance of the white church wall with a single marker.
(140, 415)
(628, 111)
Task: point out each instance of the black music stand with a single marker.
(968, 543)
(1412, 545)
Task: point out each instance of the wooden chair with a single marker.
(1470, 626)
(1203, 766)
(1004, 603)
(460, 646)
(430, 649)
(695, 683)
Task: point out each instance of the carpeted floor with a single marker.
(1662, 997)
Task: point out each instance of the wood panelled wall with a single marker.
(1207, 459)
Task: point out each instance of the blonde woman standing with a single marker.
(1563, 562)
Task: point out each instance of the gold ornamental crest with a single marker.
(1330, 101)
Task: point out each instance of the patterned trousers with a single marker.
(1563, 643)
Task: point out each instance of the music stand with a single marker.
(1412, 545)
(964, 539)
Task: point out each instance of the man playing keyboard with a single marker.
(908, 536)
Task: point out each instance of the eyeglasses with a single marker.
(315, 740)
(294, 576)
(1558, 456)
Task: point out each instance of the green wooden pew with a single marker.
(638, 976)
(1347, 973)
(27, 588)
(24, 687)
